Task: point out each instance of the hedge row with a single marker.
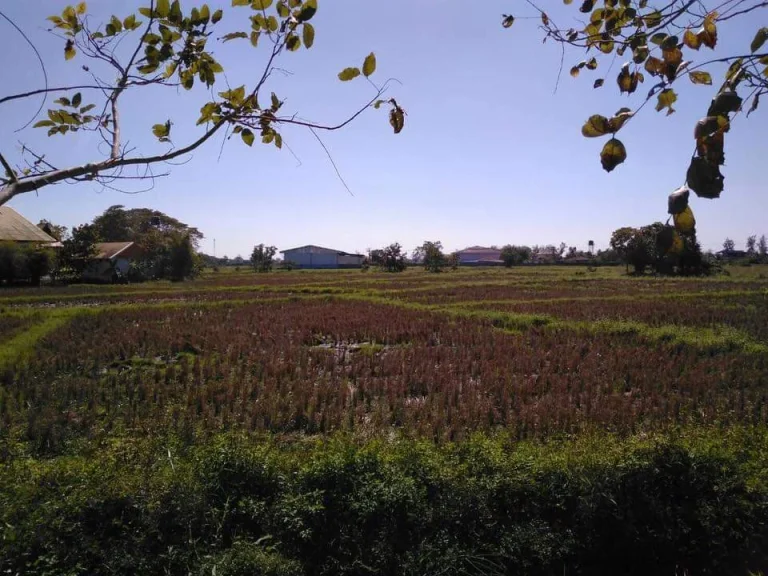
(336, 507)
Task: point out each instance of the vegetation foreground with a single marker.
(535, 420)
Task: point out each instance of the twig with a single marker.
(341, 178)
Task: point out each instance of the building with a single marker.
(318, 257)
(112, 261)
(480, 256)
(15, 228)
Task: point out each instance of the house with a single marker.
(480, 256)
(112, 261)
(318, 257)
(15, 228)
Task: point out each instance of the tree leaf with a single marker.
(755, 104)
(81, 8)
(507, 21)
(691, 39)
(161, 130)
(699, 77)
(613, 154)
(233, 36)
(278, 140)
(130, 22)
(163, 8)
(599, 82)
(666, 98)
(595, 126)
(87, 108)
(369, 66)
(685, 222)
(69, 50)
(217, 15)
(247, 136)
(293, 42)
(241, 3)
(308, 34)
(759, 40)
(44, 124)
(76, 99)
(708, 33)
(261, 4)
(308, 11)
(397, 118)
(349, 74)
(544, 19)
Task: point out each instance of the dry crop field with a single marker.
(532, 352)
(545, 405)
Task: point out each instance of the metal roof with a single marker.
(16, 228)
(109, 250)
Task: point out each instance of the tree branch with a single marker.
(11, 173)
(46, 90)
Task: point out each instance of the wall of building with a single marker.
(102, 270)
(307, 259)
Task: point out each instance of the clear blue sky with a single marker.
(489, 154)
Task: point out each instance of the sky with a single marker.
(490, 153)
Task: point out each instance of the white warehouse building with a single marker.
(318, 257)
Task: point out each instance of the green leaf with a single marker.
(130, 22)
(612, 154)
(369, 66)
(234, 35)
(241, 2)
(659, 38)
(205, 13)
(349, 74)
(255, 38)
(666, 98)
(247, 136)
(87, 108)
(293, 42)
(144, 11)
(76, 99)
(162, 131)
(307, 11)
(759, 40)
(217, 15)
(163, 8)
(275, 103)
(595, 126)
(282, 10)
(44, 124)
(378, 103)
(699, 77)
(272, 24)
(81, 8)
(308, 34)
(261, 4)
(278, 140)
(64, 101)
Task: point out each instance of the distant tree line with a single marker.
(755, 252)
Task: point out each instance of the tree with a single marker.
(53, 230)
(762, 246)
(79, 249)
(453, 260)
(162, 46)
(117, 224)
(729, 245)
(663, 40)
(389, 259)
(752, 244)
(431, 256)
(182, 259)
(515, 255)
(263, 257)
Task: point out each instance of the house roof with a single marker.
(109, 250)
(14, 227)
(483, 249)
(331, 250)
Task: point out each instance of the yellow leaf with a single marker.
(666, 98)
(700, 78)
(691, 40)
(685, 223)
(81, 8)
(308, 34)
(69, 50)
(759, 40)
(708, 33)
(349, 74)
(369, 66)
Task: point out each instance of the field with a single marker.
(539, 420)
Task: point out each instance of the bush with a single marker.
(24, 263)
(596, 506)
